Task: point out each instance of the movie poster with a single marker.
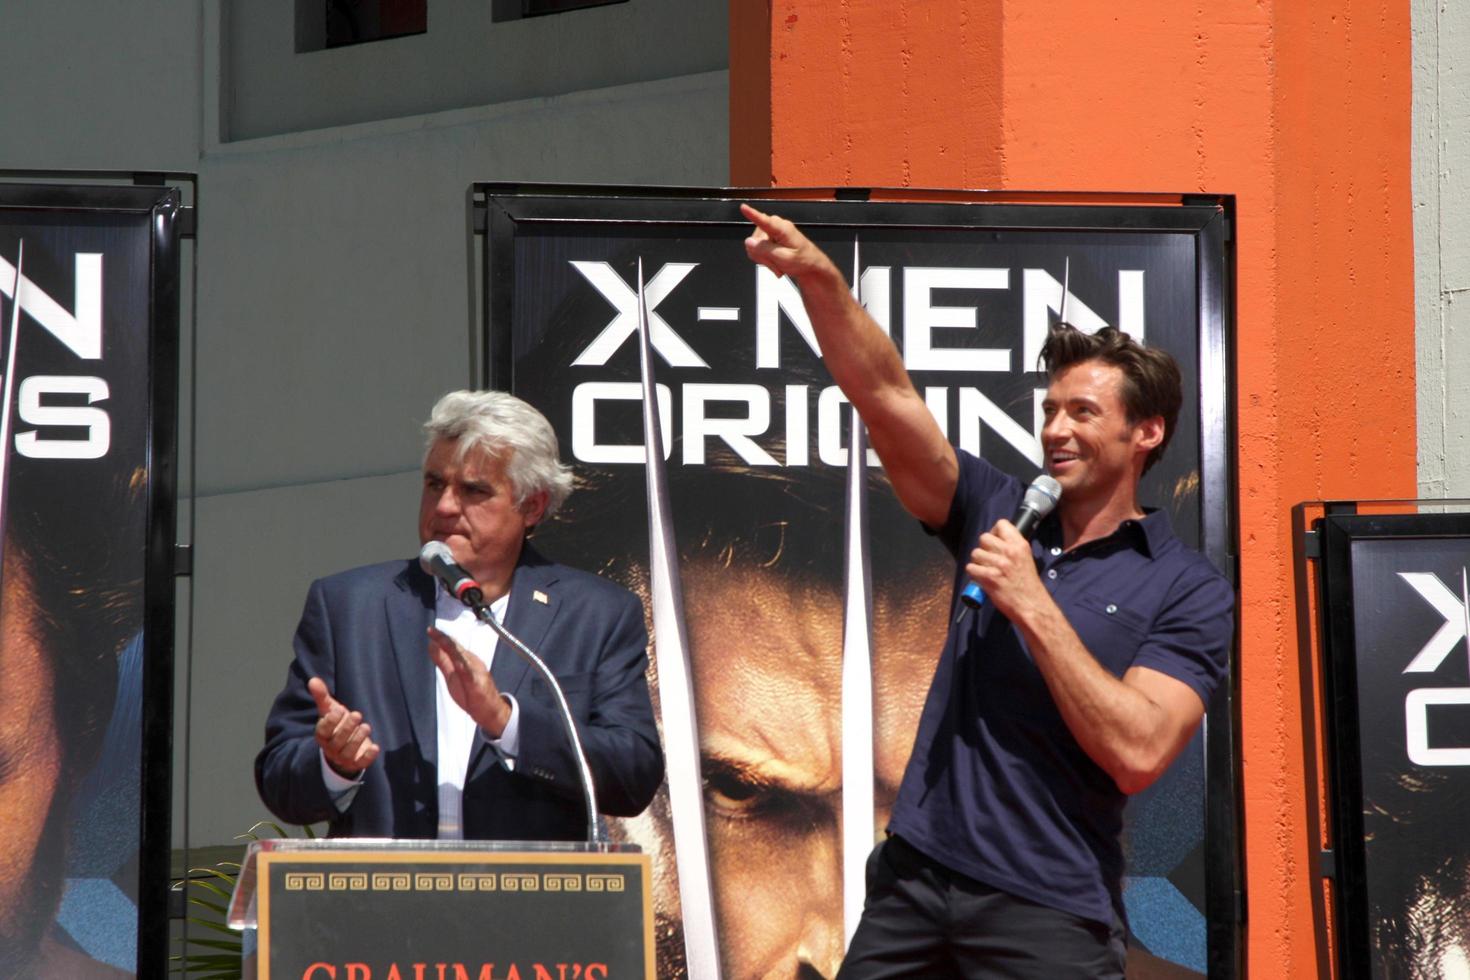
(77, 308)
(1408, 752)
(755, 438)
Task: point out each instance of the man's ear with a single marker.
(533, 508)
(1150, 433)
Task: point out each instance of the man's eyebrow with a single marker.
(767, 774)
(1087, 400)
(723, 767)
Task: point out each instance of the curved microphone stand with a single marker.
(594, 829)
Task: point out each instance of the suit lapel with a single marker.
(410, 610)
(533, 605)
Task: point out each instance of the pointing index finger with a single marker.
(769, 223)
(755, 216)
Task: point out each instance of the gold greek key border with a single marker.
(440, 881)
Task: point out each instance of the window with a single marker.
(322, 24)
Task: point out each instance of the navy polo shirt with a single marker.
(997, 788)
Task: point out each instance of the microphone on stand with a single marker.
(437, 560)
(1040, 499)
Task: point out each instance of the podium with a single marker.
(364, 909)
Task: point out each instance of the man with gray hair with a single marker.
(399, 718)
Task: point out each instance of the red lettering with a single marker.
(564, 971)
(393, 973)
(487, 971)
(460, 973)
(359, 971)
(513, 973)
(310, 973)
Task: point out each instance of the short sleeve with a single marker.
(1191, 637)
(974, 507)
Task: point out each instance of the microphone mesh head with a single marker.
(432, 552)
(1042, 495)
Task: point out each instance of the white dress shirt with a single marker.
(456, 729)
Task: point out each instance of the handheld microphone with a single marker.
(436, 559)
(1040, 499)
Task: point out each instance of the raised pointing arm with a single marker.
(918, 459)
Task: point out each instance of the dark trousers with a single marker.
(921, 919)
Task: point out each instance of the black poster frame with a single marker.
(169, 220)
(1337, 531)
(498, 209)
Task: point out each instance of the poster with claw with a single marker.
(797, 611)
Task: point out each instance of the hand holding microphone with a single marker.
(1040, 500)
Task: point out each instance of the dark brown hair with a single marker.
(1151, 382)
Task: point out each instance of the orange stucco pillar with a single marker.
(847, 97)
(1300, 110)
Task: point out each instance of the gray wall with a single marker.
(336, 290)
(1441, 166)
(465, 59)
(100, 86)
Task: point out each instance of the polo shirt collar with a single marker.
(1156, 528)
(1148, 534)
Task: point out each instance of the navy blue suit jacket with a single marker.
(363, 633)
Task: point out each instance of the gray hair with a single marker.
(500, 423)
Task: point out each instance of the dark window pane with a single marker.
(357, 21)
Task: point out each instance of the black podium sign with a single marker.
(1396, 678)
(458, 915)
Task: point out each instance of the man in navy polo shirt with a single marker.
(1082, 676)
